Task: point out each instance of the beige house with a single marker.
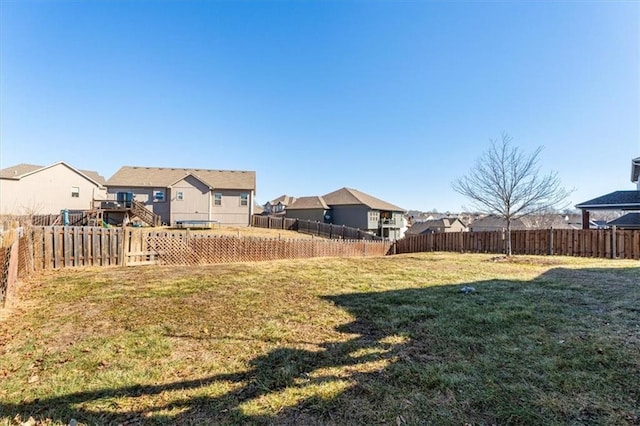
(28, 189)
(278, 205)
(445, 224)
(496, 223)
(223, 196)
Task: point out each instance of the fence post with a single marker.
(614, 247)
(551, 241)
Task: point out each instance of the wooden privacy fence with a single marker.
(274, 222)
(311, 227)
(8, 269)
(49, 247)
(143, 247)
(603, 243)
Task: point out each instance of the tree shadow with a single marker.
(498, 354)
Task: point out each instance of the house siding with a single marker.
(47, 191)
(307, 214)
(145, 196)
(355, 216)
(195, 203)
(231, 212)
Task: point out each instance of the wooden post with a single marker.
(551, 241)
(614, 243)
(585, 219)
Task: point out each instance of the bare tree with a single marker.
(507, 182)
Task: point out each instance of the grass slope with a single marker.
(546, 340)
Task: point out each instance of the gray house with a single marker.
(175, 194)
(309, 208)
(352, 208)
(27, 189)
(626, 201)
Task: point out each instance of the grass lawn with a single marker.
(393, 340)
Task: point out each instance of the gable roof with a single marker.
(284, 199)
(349, 196)
(17, 171)
(164, 177)
(628, 200)
(304, 203)
(22, 170)
(196, 177)
(629, 220)
(497, 222)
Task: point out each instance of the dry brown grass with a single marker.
(250, 231)
(542, 340)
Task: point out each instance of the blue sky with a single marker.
(396, 99)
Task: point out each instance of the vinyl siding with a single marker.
(355, 216)
(47, 192)
(307, 214)
(145, 196)
(230, 212)
(196, 200)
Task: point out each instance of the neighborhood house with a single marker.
(626, 201)
(188, 195)
(352, 208)
(27, 189)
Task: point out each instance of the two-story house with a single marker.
(353, 208)
(278, 206)
(27, 189)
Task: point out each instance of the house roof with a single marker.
(349, 196)
(497, 222)
(543, 221)
(284, 199)
(194, 176)
(22, 170)
(164, 177)
(307, 203)
(17, 171)
(442, 223)
(623, 200)
(629, 220)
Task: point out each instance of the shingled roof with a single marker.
(628, 221)
(349, 196)
(623, 200)
(307, 203)
(284, 199)
(21, 170)
(164, 177)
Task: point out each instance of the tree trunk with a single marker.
(508, 237)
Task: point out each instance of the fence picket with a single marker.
(584, 243)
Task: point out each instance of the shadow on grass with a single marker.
(563, 348)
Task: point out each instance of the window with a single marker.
(244, 199)
(179, 196)
(75, 192)
(158, 196)
(373, 216)
(217, 199)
